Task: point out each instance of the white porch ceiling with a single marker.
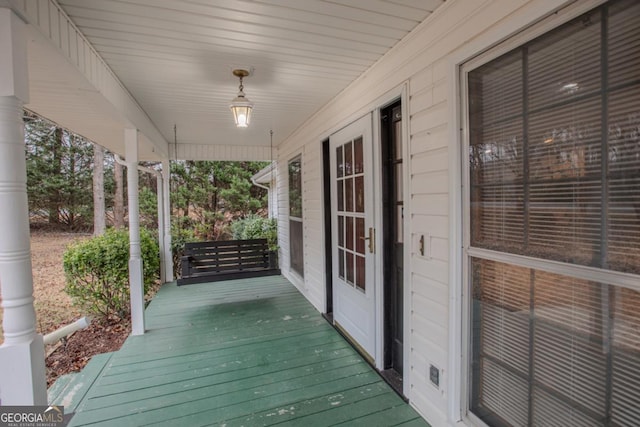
(175, 58)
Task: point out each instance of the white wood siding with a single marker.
(425, 59)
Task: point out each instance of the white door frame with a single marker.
(399, 92)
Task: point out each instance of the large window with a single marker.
(554, 179)
(296, 248)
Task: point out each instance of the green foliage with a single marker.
(148, 205)
(256, 227)
(59, 173)
(212, 193)
(180, 234)
(97, 271)
(295, 187)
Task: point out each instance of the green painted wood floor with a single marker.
(239, 353)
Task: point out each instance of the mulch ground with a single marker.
(72, 354)
(55, 309)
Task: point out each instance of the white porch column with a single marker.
(136, 284)
(168, 255)
(22, 370)
(160, 206)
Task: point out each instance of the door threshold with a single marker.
(354, 344)
(394, 379)
(390, 376)
(328, 317)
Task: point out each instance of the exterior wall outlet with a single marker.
(434, 376)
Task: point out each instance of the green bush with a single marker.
(256, 227)
(97, 271)
(181, 233)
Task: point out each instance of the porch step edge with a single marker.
(76, 388)
(59, 386)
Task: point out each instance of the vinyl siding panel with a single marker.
(429, 139)
(429, 161)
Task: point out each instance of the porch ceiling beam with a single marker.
(58, 29)
(220, 152)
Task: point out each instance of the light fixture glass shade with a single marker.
(241, 108)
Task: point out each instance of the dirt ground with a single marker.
(54, 309)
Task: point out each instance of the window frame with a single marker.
(296, 158)
(467, 252)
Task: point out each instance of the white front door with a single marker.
(353, 242)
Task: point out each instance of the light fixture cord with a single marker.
(175, 141)
(241, 86)
(271, 136)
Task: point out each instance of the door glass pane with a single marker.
(397, 129)
(341, 231)
(340, 195)
(360, 272)
(360, 243)
(399, 188)
(348, 159)
(359, 193)
(400, 222)
(348, 183)
(358, 165)
(350, 234)
(350, 268)
(341, 264)
(339, 162)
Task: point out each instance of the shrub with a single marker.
(180, 234)
(256, 227)
(97, 271)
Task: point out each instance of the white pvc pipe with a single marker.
(64, 331)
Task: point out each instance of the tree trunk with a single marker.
(54, 204)
(118, 200)
(99, 222)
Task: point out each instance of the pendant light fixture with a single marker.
(241, 107)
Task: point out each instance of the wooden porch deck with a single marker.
(236, 353)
